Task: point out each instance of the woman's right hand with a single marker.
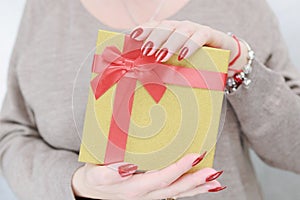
(103, 182)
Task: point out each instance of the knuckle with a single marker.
(167, 24)
(184, 32)
(207, 31)
(187, 28)
(179, 167)
(195, 180)
(187, 22)
(163, 184)
(205, 35)
(206, 28)
(201, 36)
(147, 28)
(164, 22)
(190, 32)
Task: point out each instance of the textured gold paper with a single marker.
(185, 120)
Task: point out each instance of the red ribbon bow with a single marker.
(131, 65)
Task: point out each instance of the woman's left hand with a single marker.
(168, 37)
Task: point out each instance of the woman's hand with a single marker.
(102, 182)
(168, 37)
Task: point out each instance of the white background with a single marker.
(276, 184)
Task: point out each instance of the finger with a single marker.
(141, 32)
(163, 178)
(212, 186)
(157, 37)
(185, 183)
(110, 174)
(204, 36)
(197, 40)
(177, 39)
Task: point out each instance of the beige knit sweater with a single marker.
(39, 143)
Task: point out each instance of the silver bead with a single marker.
(247, 69)
(242, 75)
(249, 62)
(251, 55)
(247, 82)
(230, 82)
(229, 33)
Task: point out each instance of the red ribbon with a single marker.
(124, 69)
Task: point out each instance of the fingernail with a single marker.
(217, 189)
(136, 33)
(147, 48)
(183, 53)
(126, 170)
(161, 54)
(198, 159)
(214, 176)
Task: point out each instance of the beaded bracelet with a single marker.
(241, 77)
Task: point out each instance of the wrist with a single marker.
(240, 67)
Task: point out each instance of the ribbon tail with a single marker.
(120, 121)
(94, 86)
(153, 84)
(101, 83)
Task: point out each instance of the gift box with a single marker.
(149, 113)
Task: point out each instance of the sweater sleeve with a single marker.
(269, 110)
(32, 168)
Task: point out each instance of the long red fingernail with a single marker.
(127, 169)
(137, 32)
(147, 48)
(161, 54)
(217, 189)
(199, 159)
(214, 176)
(183, 53)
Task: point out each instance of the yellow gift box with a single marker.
(159, 132)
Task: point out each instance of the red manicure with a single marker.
(147, 48)
(136, 33)
(161, 54)
(217, 189)
(183, 53)
(198, 159)
(214, 176)
(127, 169)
